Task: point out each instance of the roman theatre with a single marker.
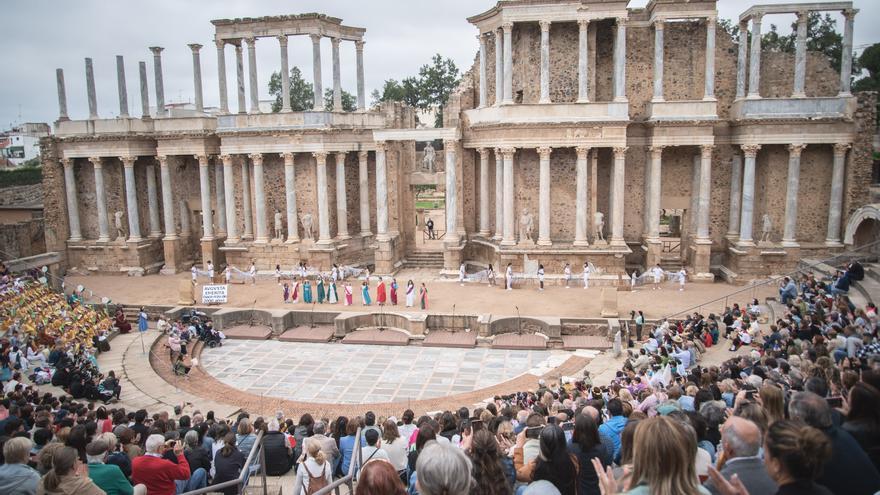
(584, 132)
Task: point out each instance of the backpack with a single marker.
(315, 482)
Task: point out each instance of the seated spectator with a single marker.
(16, 477)
(395, 447)
(244, 436)
(379, 477)
(63, 478)
(314, 471)
(863, 420)
(228, 463)
(372, 450)
(196, 455)
(279, 454)
(328, 445)
(160, 474)
(108, 477)
(585, 446)
(614, 425)
(554, 463)
(787, 291)
(795, 455)
(740, 445)
(439, 470)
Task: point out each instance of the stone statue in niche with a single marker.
(766, 228)
(307, 226)
(599, 226)
(428, 159)
(279, 230)
(117, 222)
(526, 226)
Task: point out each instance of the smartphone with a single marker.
(567, 426)
(534, 431)
(750, 394)
(834, 401)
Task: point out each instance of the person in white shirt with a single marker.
(394, 445)
(373, 448)
(682, 278)
(509, 277)
(195, 275)
(657, 273)
(227, 272)
(461, 274)
(586, 274)
(210, 267)
(540, 277)
(567, 272)
(253, 272)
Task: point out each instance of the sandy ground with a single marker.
(472, 298)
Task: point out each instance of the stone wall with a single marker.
(21, 239)
(21, 195)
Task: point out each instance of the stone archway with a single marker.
(863, 226)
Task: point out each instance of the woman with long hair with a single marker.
(228, 463)
(863, 420)
(586, 445)
(486, 466)
(313, 466)
(62, 478)
(794, 455)
(553, 464)
(425, 434)
(772, 401)
(396, 447)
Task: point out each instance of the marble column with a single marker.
(153, 201)
(694, 212)
(167, 199)
(736, 171)
(239, 77)
(484, 87)
(846, 55)
(157, 75)
(618, 187)
(507, 27)
(318, 104)
(484, 191)
(90, 90)
(382, 194)
(252, 74)
(656, 192)
(742, 55)
(658, 60)
(620, 62)
(449, 146)
(364, 193)
(101, 200)
(583, 64)
(323, 200)
(131, 204)
(205, 196)
(62, 95)
(835, 202)
(544, 196)
(545, 61)
(750, 152)
(705, 192)
(221, 75)
(229, 196)
(499, 195)
(789, 235)
(185, 230)
(120, 87)
(709, 93)
(220, 196)
(755, 59)
(246, 199)
(145, 91)
(197, 76)
(341, 197)
(499, 67)
(362, 92)
(260, 199)
(290, 198)
(509, 235)
(337, 76)
(72, 200)
(581, 188)
(285, 73)
(800, 56)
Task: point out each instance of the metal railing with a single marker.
(438, 234)
(257, 451)
(353, 467)
(852, 255)
(671, 246)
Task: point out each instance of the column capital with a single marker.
(257, 158)
(127, 161)
(711, 21)
(508, 152)
(583, 23)
(195, 47)
(850, 14)
(157, 50)
(450, 142)
(359, 45)
(582, 152)
(484, 153)
(619, 152)
(96, 160)
(656, 151)
(237, 45)
(316, 38)
(620, 21)
(320, 157)
(839, 148)
(544, 152)
(795, 149)
(545, 25)
(66, 162)
(803, 16)
(288, 157)
(363, 155)
(226, 159)
(706, 150)
(282, 39)
(507, 27)
(204, 160)
(659, 23)
(220, 44)
(756, 19)
(250, 40)
(750, 150)
(343, 154)
(743, 28)
(381, 146)
(335, 42)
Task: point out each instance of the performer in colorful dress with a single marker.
(142, 320)
(381, 295)
(410, 294)
(365, 293)
(348, 294)
(423, 296)
(393, 292)
(307, 292)
(286, 292)
(321, 293)
(332, 296)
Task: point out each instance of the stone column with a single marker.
(229, 196)
(620, 62)
(694, 212)
(741, 60)
(197, 76)
(658, 60)
(499, 67)
(382, 194)
(101, 200)
(656, 193)
(709, 93)
(341, 197)
(252, 74)
(153, 201)
(835, 202)
(484, 191)
(221, 198)
(800, 56)
(337, 77)
(120, 86)
(260, 193)
(131, 204)
(846, 55)
(449, 146)
(705, 192)
(167, 199)
(290, 196)
(157, 74)
(90, 90)
(246, 199)
(285, 74)
(750, 152)
(239, 77)
(755, 59)
(323, 200)
(544, 196)
(316, 73)
(362, 93)
(145, 91)
(618, 187)
(736, 171)
(364, 193)
(62, 95)
(789, 236)
(507, 27)
(72, 201)
(583, 65)
(509, 236)
(545, 61)
(581, 188)
(185, 230)
(221, 76)
(205, 196)
(484, 88)
(499, 195)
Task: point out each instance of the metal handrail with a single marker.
(244, 476)
(348, 479)
(438, 235)
(845, 254)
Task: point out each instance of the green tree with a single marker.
(406, 91)
(349, 103)
(437, 81)
(869, 60)
(729, 27)
(302, 96)
(822, 37)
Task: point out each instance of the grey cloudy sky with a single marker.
(402, 35)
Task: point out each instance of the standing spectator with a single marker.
(16, 477)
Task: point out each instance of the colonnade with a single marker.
(700, 193)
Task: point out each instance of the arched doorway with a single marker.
(863, 228)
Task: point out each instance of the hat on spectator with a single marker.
(97, 447)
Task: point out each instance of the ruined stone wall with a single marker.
(861, 160)
(21, 195)
(777, 75)
(21, 239)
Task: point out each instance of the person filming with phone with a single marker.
(159, 474)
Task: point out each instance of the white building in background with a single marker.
(21, 143)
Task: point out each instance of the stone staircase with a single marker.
(424, 259)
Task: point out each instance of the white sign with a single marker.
(214, 294)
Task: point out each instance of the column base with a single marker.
(753, 96)
(583, 100)
(366, 233)
(544, 242)
(620, 242)
(544, 102)
(508, 242)
(658, 99)
(261, 240)
(507, 102)
(103, 239)
(581, 243)
(710, 98)
(292, 240)
(483, 233)
(497, 237)
(75, 239)
(343, 237)
(324, 242)
(232, 240)
(620, 99)
(833, 243)
(171, 248)
(844, 94)
(383, 237)
(653, 252)
(799, 95)
(745, 243)
(210, 252)
(134, 240)
(790, 243)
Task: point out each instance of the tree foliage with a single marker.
(302, 94)
(430, 89)
(869, 60)
(406, 91)
(822, 37)
(349, 102)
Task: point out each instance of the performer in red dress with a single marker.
(381, 295)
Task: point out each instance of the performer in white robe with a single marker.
(508, 277)
(567, 272)
(334, 274)
(210, 268)
(227, 273)
(410, 294)
(586, 275)
(461, 274)
(682, 278)
(253, 273)
(657, 273)
(195, 275)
